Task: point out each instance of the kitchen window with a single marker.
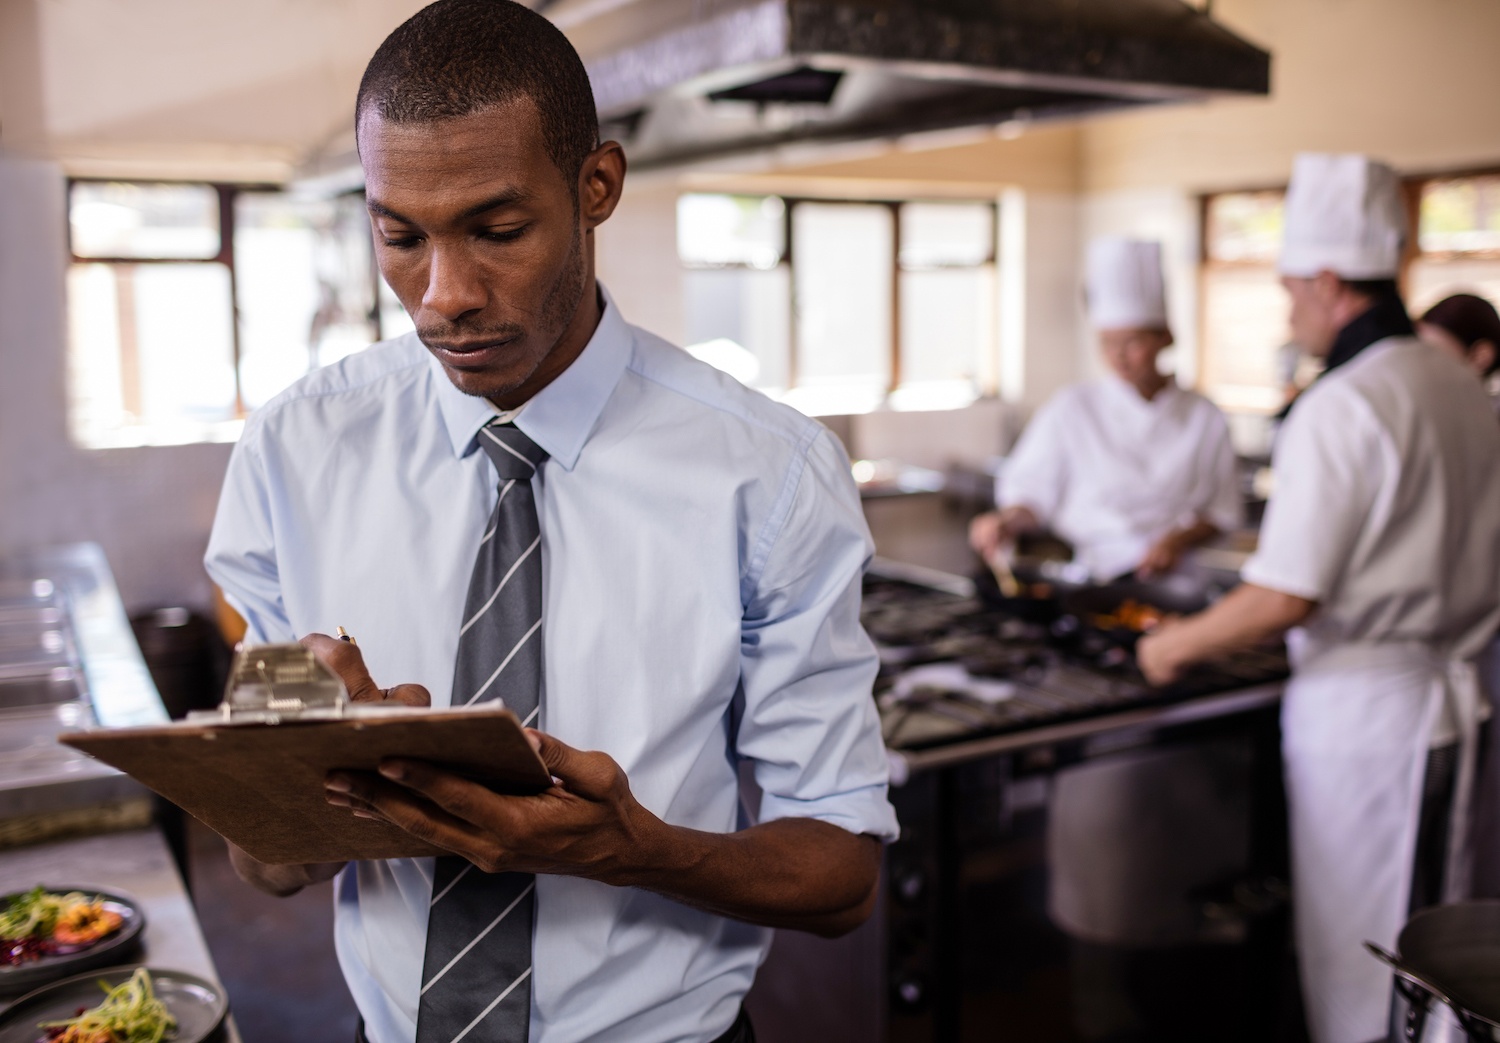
(841, 306)
(1458, 240)
(1245, 364)
(191, 304)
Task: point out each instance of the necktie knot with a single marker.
(514, 455)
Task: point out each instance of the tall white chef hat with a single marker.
(1343, 215)
(1123, 284)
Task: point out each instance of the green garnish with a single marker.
(130, 1011)
(35, 913)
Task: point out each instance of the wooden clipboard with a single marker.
(261, 785)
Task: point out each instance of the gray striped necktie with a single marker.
(476, 976)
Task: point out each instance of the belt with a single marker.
(740, 1032)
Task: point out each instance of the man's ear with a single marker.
(1482, 355)
(600, 183)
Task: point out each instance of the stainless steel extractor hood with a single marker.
(685, 80)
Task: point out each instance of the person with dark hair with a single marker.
(655, 568)
(1466, 327)
(1378, 555)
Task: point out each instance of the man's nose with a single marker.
(454, 284)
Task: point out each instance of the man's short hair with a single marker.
(458, 57)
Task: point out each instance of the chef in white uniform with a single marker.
(1130, 469)
(1381, 545)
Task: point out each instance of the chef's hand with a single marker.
(344, 658)
(1159, 653)
(993, 529)
(1162, 558)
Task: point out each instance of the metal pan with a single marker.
(1450, 954)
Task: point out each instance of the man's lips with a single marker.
(466, 353)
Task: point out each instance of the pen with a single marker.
(344, 635)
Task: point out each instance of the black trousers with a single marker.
(740, 1032)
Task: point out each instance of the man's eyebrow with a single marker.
(510, 197)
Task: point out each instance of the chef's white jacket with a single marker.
(1386, 512)
(1112, 472)
(1386, 509)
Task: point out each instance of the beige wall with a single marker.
(1415, 82)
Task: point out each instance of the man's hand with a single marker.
(345, 659)
(1166, 552)
(993, 529)
(1161, 558)
(279, 880)
(1159, 654)
(795, 873)
(587, 824)
(1247, 616)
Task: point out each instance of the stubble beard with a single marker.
(559, 305)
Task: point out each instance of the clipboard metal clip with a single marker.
(269, 684)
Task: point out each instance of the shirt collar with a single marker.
(560, 417)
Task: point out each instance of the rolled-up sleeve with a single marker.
(809, 725)
(241, 556)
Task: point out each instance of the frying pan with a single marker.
(1451, 954)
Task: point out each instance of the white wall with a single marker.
(150, 508)
(635, 256)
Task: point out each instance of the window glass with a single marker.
(1244, 226)
(739, 319)
(1245, 316)
(121, 219)
(305, 279)
(941, 234)
(843, 294)
(947, 322)
(718, 230)
(1461, 215)
(152, 356)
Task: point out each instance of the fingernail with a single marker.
(336, 783)
(361, 813)
(392, 770)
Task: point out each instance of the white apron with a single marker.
(1357, 722)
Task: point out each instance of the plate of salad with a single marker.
(48, 933)
(118, 1005)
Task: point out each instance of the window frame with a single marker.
(227, 194)
(789, 252)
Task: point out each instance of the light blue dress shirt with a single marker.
(702, 553)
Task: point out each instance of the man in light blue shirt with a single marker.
(701, 546)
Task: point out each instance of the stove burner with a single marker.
(954, 668)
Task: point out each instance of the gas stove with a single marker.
(955, 667)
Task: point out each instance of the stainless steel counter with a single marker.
(68, 660)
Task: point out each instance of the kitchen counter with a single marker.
(138, 864)
(68, 660)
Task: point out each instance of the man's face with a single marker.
(1131, 355)
(1315, 319)
(482, 239)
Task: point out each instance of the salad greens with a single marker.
(130, 1013)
